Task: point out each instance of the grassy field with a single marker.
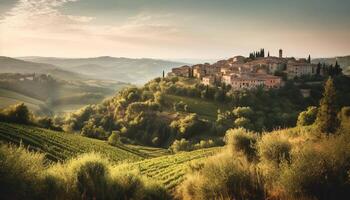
(205, 109)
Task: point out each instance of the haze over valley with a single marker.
(174, 100)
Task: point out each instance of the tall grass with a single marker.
(89, 176)
(290, 164)
(20, 173)
(223, 177)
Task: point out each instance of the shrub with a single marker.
(319, 171)
(204, 144)
(223, 178)
(181, 145)
(19, 173)
(180, 106)
(90, 130)
(188, 126)
(114, 138)
(344, 117)
(241, 140)
(274, 148)
(92, 180)
(307, 117)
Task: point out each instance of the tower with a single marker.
(280, 53)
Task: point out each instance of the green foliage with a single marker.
(60, 146)
(90, 130)
(319, 171)
(89, 176)
(185, 145)
(180, 145)
(241, 140)
(274, 148)
(180, 106)
(307, 117)
(18, 113)
(189, 126)
(19, 173)
(327, 121)
(114, 138)
(223, 178)
(344, 117)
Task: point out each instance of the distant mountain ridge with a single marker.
(133, 70)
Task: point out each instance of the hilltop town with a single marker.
(250, 72)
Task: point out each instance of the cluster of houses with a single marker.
(248, 73)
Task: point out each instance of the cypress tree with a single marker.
(309, 59)
(327, 121)
(318, 69)
(337, 69)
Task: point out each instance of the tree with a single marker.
(309, 59)
(337, 69)
(17, 113)
(163, 74)
(307, 117)
(327, 121)
(318, 69)
(268, 54)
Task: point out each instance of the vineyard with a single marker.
(59, 146)
(154, 163)
(169, 170)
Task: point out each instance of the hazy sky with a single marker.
(173, 28)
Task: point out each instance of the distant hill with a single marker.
(11, 65)
(137, 71)
(344, 62)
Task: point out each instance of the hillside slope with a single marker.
(167, 169)
(131, 70)
(60, 146)
(11, 65)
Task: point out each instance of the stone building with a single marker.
(251, 80)
(300, 68)
(184, 71)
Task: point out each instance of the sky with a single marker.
(173, 29)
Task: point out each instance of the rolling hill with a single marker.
(11, 65)
(136, 71)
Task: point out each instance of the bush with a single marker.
(319, 171)
(205, 144)
(90, 130)
(188, 126)
(89, 176)
(344, 117)
(241, 140)
(181, 145)
(20, 171)
(114, 138)
(180, 106)
(223, 178)
(274, 148)
(307, 117)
